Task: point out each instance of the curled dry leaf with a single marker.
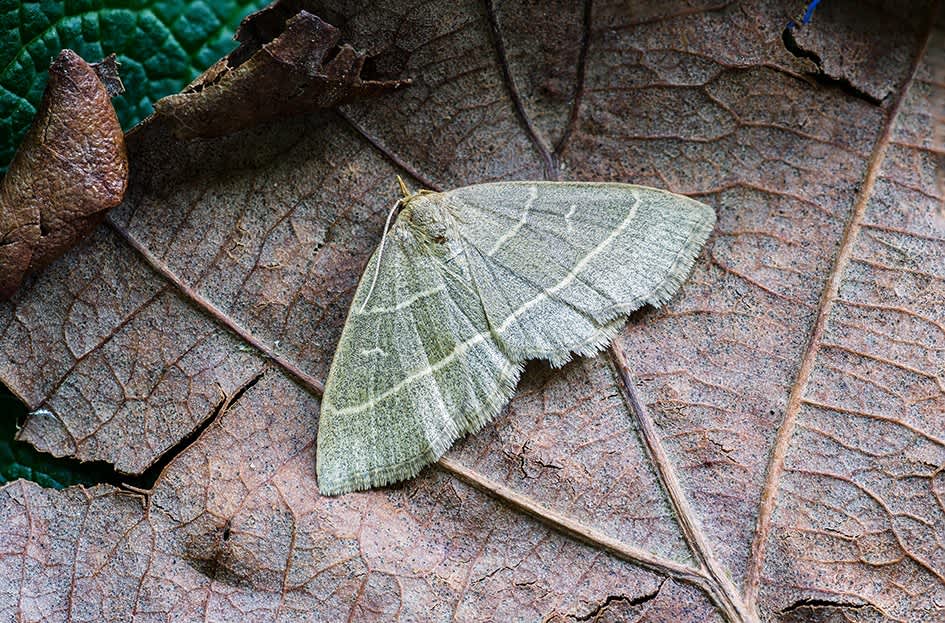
(288, 63)
(70, 169)
(107, 70)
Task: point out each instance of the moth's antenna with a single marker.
(380, 251)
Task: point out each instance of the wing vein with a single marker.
(572, 274)
(532, 195)
(402, 304)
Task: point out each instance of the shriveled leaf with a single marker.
(766, 448)
(107, 72)
(289, 62)
(70, 169)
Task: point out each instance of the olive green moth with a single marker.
(469, 284)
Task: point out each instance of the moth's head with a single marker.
(425, 213)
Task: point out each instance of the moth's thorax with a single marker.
(427, 217)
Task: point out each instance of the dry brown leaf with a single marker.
(70, 168)
(289, 62)
(767, 448)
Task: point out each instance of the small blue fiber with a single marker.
(808, 15)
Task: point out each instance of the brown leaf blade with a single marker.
(621, 487)
(70, 169)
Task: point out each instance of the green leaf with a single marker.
(161, 47)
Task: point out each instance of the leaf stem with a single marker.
(202, 302)
(723, 589)
(569, 526)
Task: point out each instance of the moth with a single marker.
(469, 284)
